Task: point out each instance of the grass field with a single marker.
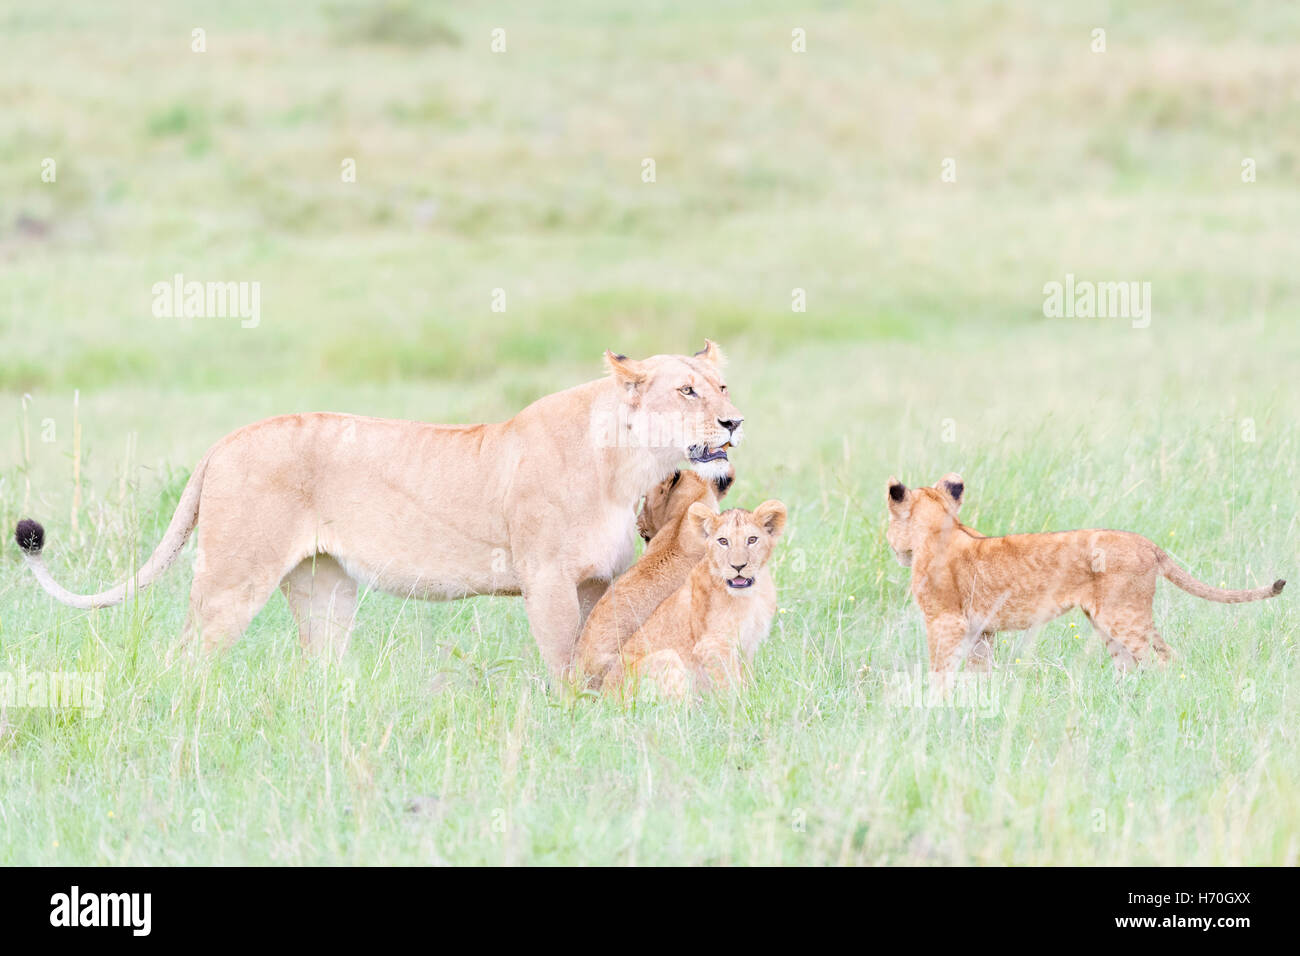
(924, 348)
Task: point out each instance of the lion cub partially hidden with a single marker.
(704, 635)
(969, 586)
(672, 550)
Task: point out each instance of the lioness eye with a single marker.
(687, 391)
(753, 540)
(722, 541)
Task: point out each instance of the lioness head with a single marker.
(678, 404)
(668, 500)
(920, 511)
(740, 542)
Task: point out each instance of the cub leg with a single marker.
(324, 602)
(1164, 653)
(669, 674)
(980, 658)
(944, 635)
(1125, 618)
(718, 662)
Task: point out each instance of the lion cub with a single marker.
(969, 586)
(672, 550)
(704, 635)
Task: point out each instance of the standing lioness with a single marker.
(969, 586)
(540, 505)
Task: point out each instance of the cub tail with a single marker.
(1167, 567)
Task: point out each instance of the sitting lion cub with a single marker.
(672, 551)
(969, 587)
(704, 635)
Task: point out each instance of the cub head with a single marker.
(667, 501)
(739, 542)
(679, 406)
(917, 512)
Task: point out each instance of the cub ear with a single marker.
(771, 516)
(952, 486)
(700, 519)
(628, 372)
(897, 491)
(712, 353)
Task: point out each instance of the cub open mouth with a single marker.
(709, 454)
(739, 582)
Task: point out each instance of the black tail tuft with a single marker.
(30, 536)
(1278, 585)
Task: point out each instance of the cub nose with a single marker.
(739, 567)
(730, 424)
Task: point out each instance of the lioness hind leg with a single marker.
(324, 602)
(221, 609)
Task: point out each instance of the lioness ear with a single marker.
(952, 486)
(700, 519)
(771, 516)
(712, 353)
(628, 372)
(897, 492)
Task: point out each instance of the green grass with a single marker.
(924, 349)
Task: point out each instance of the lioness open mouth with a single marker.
(739, 582)
(709, 454)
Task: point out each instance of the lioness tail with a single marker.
(1178, 576)
(31, 538)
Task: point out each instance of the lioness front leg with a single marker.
(551, 600)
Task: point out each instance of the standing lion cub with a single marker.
(969, 586)
(704, 635)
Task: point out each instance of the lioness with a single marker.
(541, 505)
(673, 549)
(969, 586)
(705, 633)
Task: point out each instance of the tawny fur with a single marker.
(969, 586)
(674, 548)
(541, 505)
(703, 636)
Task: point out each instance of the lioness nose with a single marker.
(730, 424)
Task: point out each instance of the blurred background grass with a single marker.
(522, 171)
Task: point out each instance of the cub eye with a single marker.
(687, 391)
(723, 389)
(722, 541)
(753, 539)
